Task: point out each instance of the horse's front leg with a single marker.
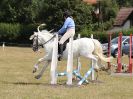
(43, 69)
(38, 62)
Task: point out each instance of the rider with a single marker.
(67, 31)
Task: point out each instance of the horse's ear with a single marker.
(35, 33)
(31, 37)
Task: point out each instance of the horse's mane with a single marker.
(46, 32)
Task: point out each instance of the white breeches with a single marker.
(68, 34)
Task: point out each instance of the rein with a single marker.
(47, 41)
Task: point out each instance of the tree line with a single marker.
(27, 12)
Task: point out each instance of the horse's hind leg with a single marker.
(94, 59)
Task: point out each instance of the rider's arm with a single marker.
(64, 27)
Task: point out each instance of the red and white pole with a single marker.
(119, 68)
(130, 55)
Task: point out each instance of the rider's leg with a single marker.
(67, 35)
(60, 52)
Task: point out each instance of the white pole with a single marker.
(78, 60)
(54, 61)
(92, 64)
(85, 76)
(92, 74)
(92, 36)
(70, 62)
(3, 46)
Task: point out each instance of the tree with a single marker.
(125, 3)
(16, 11)
(51, 12)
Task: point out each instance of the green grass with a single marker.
(17, 80)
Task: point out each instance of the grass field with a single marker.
(17, 80)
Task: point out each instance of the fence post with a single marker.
(119, 53)
(130, 55)
(92, 64)
(3, 46)
(70, 62)
(78, 60)
(54, 61)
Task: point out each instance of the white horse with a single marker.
(87, 47)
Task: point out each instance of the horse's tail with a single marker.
(99, 52)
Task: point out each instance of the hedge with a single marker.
(18, 33)
(103, 36)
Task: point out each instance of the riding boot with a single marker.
(60, 52)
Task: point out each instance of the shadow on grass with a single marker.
(22, 83)
(42, 84)
(46, 84)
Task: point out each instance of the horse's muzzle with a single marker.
(34, 48)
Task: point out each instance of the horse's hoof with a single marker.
(96, 70)
(38, 76)
(34, 70)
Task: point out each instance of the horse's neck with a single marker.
(46, 38)
(45, 34)
(49, 44)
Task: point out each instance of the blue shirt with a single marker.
(69, 23)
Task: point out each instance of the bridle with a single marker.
(37, 45)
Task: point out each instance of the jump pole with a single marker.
(75, 73)
(92, 73)
(130, 55)
(78, 60)
(119, 68)
(70, 62)
(119, 53)
(54, 61)
(3, 46)
(89, 72)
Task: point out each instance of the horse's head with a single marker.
(36, 41)
(40, 38)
